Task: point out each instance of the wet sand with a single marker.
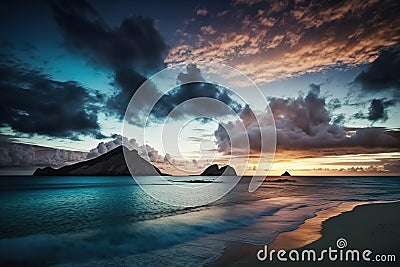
(373, 226)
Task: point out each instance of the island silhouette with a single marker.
(113, 163)
(214, 170)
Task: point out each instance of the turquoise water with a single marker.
(99, 220)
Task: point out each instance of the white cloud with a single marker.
(145, 151)
(28, 155)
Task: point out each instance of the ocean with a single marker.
(88, 221)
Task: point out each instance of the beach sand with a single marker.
(373, 226)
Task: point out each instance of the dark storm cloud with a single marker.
(305, 112)
(128, 81)
(305, 124)
(190, 90)
(33, 103)
(132, 50)
(384, 72)
(377, 110)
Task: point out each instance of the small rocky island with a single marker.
(281, 180)
(214, 170)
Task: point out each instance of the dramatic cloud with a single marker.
(145, 151)
(18, 155)
(377, 110)
(305, 124)
(131, 51)
(58, 157)
(271, 40)
(244, 136)
(189, 90)
(13, 154)
(35, 104)
(303, 113)
(247, 116)
(128, 81)
(383, 73)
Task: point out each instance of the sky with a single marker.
(328, 74)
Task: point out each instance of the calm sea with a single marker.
(111, 220)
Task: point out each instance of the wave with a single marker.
(228, 223)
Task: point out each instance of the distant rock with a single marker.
(213, 170)
(286, 173)
(280, 181)
(111, 163)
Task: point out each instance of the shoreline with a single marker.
(357, 221)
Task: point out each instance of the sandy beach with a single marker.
(375, 227)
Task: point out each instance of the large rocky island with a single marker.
(109, 164)
(113, 163)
